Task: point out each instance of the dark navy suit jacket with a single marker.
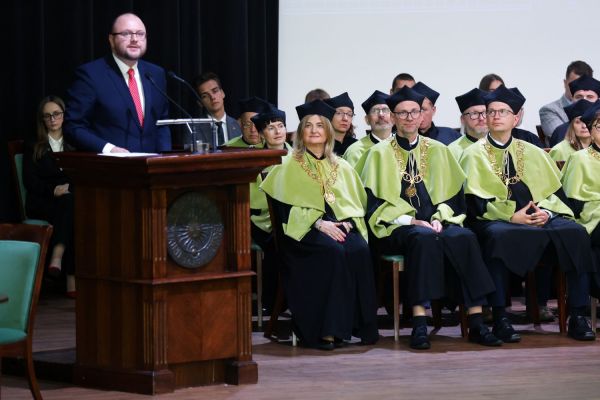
(100, 109)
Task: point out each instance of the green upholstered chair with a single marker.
(22, 253)
(15, 152)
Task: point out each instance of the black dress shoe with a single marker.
(339, 343)
(419, 340)
(483, 336)
(579, 328)
(325, 345)
(504, 331)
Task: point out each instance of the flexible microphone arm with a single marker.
(173, 75)
(193, 146)
(148, 75)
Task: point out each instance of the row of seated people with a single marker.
(473, 126)
(463, 218)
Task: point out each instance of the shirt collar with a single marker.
(124, 67)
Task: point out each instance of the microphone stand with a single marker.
(179, 79)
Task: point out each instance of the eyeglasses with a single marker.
(341, 114)
(404, 114)
(54, 115)
(128, 35)
(382, 111)
(476, 115)
(247, 125)
(597, 126)
(502, 112)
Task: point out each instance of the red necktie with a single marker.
(133, 89)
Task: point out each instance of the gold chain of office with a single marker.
(593, 153)
(412, 177)
(326, 184)
(503, 172)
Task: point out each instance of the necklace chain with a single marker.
(593, 153)
(504, 172)
(327, 183)
(412, 176)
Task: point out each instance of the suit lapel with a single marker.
(114, 74)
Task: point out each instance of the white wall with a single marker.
(359, 46)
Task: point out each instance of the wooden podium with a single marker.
(145, 323)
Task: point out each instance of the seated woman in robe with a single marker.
(270, 123)
(517, 207)
(578, 136)
(342, 122)
(49, 194)
(326, 267)
(582, 187)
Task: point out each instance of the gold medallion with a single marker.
(410, 191)
(329, 197)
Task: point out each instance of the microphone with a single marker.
(193, 146)
(173, 75)
(148, 75)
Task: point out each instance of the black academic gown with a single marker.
(445, 264)
(527, 136)
(329, 286)
(519, 248)
(559, 134)
(441, 134)
(340, 148)
(577, 207)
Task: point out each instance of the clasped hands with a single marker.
(435, 225)
(60, 190)
(335, 230)
(539, 217)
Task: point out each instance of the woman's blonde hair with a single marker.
(299, 147)
(571, 135)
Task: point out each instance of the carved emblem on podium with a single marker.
(194, 230)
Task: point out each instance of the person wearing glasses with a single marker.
(320, 203)
(472, 120)
(250, 137)
(578, 135)
(270, 123)
(115, 101)
(342, 122)
(415, 207)
(49, 192)
(427, 127)
(583, 88)
(582, 187)
(378, 117)
(517, 207)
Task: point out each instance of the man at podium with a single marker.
(115, 101)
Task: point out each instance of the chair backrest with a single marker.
(15, 152)
(542, 135)
(23, 251)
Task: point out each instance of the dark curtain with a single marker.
(47, 40)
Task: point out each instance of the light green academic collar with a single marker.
(443, 177)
